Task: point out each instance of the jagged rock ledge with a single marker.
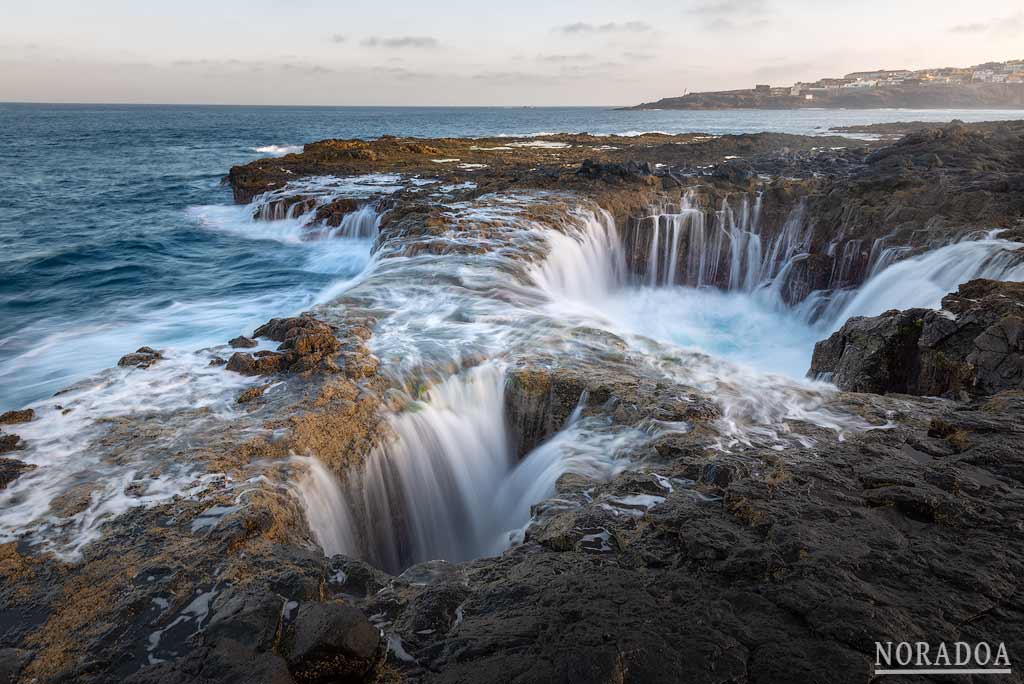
(702, 565)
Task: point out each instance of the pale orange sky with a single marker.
(474, 53)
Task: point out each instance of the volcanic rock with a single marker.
(143, 357)
(10, 442)
(243, 342)
(974, 345)
(14, 417)
(11, 469)
(331, 641)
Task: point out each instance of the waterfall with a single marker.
(327, 512)
(428, 493)
(586, 259)
(922, 281)
(362, 223)
(734, 253)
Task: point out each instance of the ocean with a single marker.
(118, 232)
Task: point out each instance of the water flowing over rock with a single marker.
(973, 345)
(540, 437)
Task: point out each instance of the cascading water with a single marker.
(587, 259)
(428, 494)
(360, 224)
(922, 281)
(448, 484)
(683, 249)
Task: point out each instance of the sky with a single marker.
(457, 52)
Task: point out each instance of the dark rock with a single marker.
(735, 171)
(352, 576)
(808, 273)
(11, 469)
(331, 641)
(243, 342)
(14, 417)
(974, 345)
(10, 442)
(217, 361)
(877, 354)
(612, 172)
(143, 357)
(12, 660)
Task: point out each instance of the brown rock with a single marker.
(13, 417)
(11, 469)
(143, 357)
(252, 394)
(334, 212)
(10, 442)
(243, 342)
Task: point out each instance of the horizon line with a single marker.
(366, 106)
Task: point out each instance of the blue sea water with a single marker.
(117, 230)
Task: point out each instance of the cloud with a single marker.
(1007, 26)
(514, 77)
(402, 74)
(337, 38)
(582, 28)
(784, 70)
(731, 7)
(733, 15)
(232, 67)
(635, 56)
(421, 42)
(723, 24)
(560, 59)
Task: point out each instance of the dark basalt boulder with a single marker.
(331, 642)
(974, 346)
(872, 354)
(143, 357)
(614, 171)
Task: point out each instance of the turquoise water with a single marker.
(117, 230)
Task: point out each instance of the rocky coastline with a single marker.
(733, 547)
(930, 96)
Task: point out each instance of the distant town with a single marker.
(992, 84)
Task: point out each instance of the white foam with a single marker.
(278, 150)
(60, 443)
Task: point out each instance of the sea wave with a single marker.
(278, 150)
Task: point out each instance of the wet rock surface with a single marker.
(15, 417)
(143, 357)
(752, 566)
(973, 346)
(706, 557)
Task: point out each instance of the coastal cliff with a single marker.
(454, 469)
(966, 96)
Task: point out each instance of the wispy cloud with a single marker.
(401, 73)
(731, 7)
(582, 28)
(1007, 26)
(561, 59)
(635, 56)
(733, 15)
(398, 42)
